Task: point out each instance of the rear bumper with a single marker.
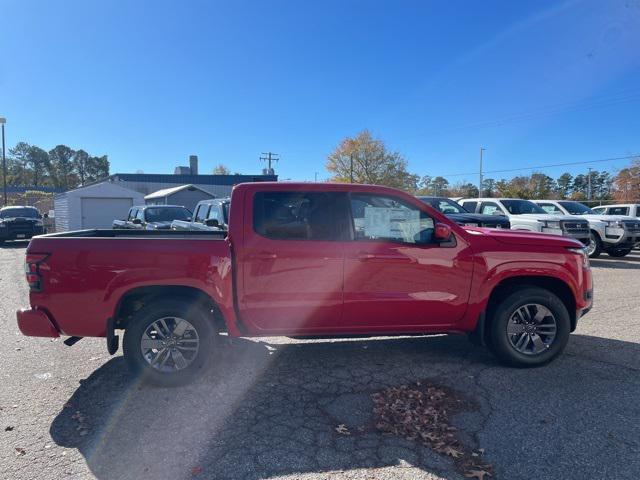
(36, 323)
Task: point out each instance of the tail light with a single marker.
(34, 265)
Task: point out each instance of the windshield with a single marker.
(576, 208)
(443, 205)
(167, 214)
(521, 207)
(19, 212)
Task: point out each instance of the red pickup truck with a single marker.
(307, 260)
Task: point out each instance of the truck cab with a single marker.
(626, 209)
(212, 214)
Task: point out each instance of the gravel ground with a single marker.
(270, 408)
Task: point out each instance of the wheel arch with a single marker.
(556, 286)
(135, 299)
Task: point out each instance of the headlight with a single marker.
(614, 223)
(552, 224)
(583, 253)
(151, 226)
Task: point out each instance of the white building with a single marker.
(93, 206)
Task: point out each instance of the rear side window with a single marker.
(201, 213)
(551, 209)
(619, 211)
(470, 206)
(297, 215)
(488, 208)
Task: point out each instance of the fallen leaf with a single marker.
(479, 474)
(8, 429)
(20, 451)
(452, 452)
(342, 429)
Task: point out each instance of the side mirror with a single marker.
(46, 215)
(137, 221)
(442, 232)
(211, 222)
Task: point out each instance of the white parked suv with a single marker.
(613, 234)
(630, 209)
(526, 215)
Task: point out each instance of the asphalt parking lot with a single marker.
(269, 409)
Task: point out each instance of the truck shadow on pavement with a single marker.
(269, 409)
(630, 262)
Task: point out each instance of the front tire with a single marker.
(169, 342)
(594, 247)
(529, 328)
(619, 252)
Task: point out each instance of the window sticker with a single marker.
(382, 222)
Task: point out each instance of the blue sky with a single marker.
(150, 82)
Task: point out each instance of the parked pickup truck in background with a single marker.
(526, 215)
(210, 214)
(18, 223)
(304, 259)
(615, 235)
(629, 209)
(459, 215)
(152, 217)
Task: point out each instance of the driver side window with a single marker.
(382, 218)
(201, 214)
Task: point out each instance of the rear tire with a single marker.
(594, 247)
(529, 328)
(169, 342)
(619, 252)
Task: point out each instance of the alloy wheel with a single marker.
(170, 344)
(531, 329)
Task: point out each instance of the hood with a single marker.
(521, 237)
(160, 225)
(607, 218)
(478, 218)
(547, 217)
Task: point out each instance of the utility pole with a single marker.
(589, 185)
(316, 177)
(480, 184)
(351, 168)
(4, 164)
(269, 157)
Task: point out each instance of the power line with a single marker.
(270, 157)
(584, 162)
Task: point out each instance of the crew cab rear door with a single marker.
(397, 278)
(292, 260)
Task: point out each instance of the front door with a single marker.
(292, 261)
(397, 278)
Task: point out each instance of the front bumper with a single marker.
(621, 237)
(12, 233)
(36, 323)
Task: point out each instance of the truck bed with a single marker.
(86, 273)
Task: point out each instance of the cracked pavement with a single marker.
(269, 408)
